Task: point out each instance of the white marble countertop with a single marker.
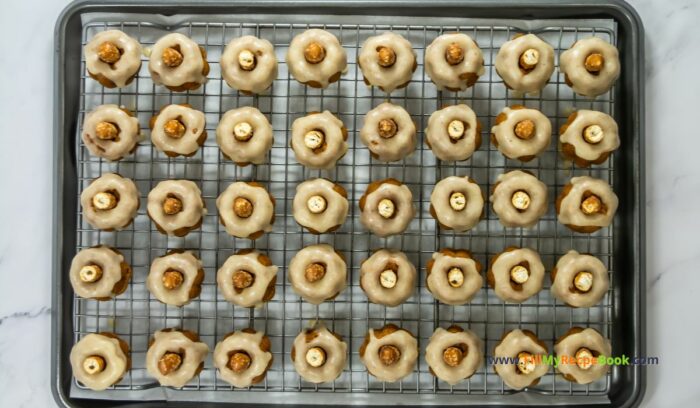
(673, 182)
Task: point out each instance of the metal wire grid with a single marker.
(136, 315)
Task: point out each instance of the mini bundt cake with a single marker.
(454, 62)
(99, 273)
(178, 63)
(113, 58)
(591, 66)
(316, 58)
(390, 353)
(387, 61)
(100, 360)
(319, 355)
(249, 65)
(525, 63)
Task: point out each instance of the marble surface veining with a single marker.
(673, 193)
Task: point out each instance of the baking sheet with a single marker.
(136, 314)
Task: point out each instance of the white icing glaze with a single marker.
(442, 339)
(117, 148)
(571, 343)
(567, 268)
(441, 144)
(263, 210)
(335, 137)
(184, 262)
(333, 282)
(402, 198)
(259, 78)
(571, 64)
(508, 64)
(321, 73)
(116, 362)
(175, 342)
(570, 209)
(263, 275)
(395, 76)
(466, 218)
(189, 143)
(396, 147)
(109, 260)
(336, 205)
(253, 150)
(193, 208)
(453, 77)
(573, 134)
(504, 262)
(439, 286)
(402, 340)
(118, 217)
(248, 342)
(122, 71)
(513, 343)
(372, 267)
(189, 71)
(513, 147)
(507, 185)
(336, 355)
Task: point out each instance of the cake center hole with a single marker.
(239, 361)
(105, 200)
(170, 362)
(242, 207)
(387, 128)
(592, 204)
(389, 354)
(316, 204)
(242, 131)
(529, 59)
(520, 200)
(242, 279)
(172, 205)
(583, 281)
(314, 272)
(594, 63)
(453, 355)
(172, 57)
(107, 131)
(316, 357)
(454, 54)
(593, 134)
(386, 208)
(456, 130)
(94, 364)
(314, 140)
(90, 273)
(109, 53)
(314, 53)
(526, 363)
(247, 60)
(455, 277)
(458, 201)
(174, 128)
(389, 276)
(172, 279)
(386, 57)
(525, 129)
(519, 274)
(584, 358)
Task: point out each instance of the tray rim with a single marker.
(618, 10)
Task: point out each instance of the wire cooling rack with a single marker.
(136, 315)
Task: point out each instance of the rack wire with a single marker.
(136, 315)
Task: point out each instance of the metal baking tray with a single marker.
(135, 315)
